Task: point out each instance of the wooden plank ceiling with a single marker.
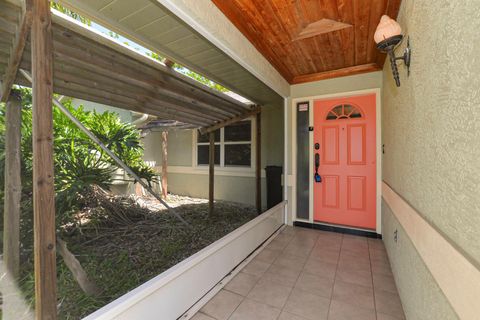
(309, 40)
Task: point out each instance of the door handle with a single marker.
(316, 176)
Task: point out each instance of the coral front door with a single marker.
(345, 161)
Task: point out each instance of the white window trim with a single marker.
(229, 170)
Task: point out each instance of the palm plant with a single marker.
(79, 162)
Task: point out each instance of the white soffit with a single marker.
(150, 24)
(209, 21)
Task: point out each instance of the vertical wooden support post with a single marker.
(13, 185)
(164, 163)
(43, 183)
(211, 172)
(258, 164)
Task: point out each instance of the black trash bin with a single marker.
(274, 185)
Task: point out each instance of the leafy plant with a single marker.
(78, 162)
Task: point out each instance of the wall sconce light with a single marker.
(387, 36)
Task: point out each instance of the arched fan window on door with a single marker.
(344, 111)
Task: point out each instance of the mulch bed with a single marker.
(124, 241)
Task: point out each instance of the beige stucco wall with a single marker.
(324, 87)
(431, 132)
(421, 296)
(228, 185)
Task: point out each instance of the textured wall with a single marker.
(179, 147)
(231, 188)
(125, 115)
(227, 188)
(431, 132)
(422, 299)
(431, 124)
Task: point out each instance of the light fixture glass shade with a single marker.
(387, 28)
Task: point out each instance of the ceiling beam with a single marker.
(364, 68)
(222, 124)
(16, 54)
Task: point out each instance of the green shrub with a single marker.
(79, 163)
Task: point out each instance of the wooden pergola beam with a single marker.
(80, 49)
(222, 124)
(43, 179)
(17, 53)
(131, 97)
(13, 185)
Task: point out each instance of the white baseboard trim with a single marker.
(456, 276)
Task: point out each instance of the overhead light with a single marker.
(387, 36)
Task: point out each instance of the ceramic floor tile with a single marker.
(382, 268)
(385, 283)
(281, 275)
(305, 243)
(356, 250)
(298, 250)
(289, 316)
(316, 267)
(383, 316)
(315, 284)
(332, 238)
(268, 255)
(307, 305)
(323, 255)
(290, 261)
(344, 311)
(276, 244)
(284, 238)
(250, 310)
(271, 293)
(202, 316)
(353, 264)
(354, 294)
(222, 305)
(363, 278)
(242, 283)
(289, 230)
(388, 303)
(256, 267)
(350, 238)
(355, 255)
(379, 255)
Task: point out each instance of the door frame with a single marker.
(378, 138)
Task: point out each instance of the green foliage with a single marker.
(191, 74)
(70, 13)
(79, 162)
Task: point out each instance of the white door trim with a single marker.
(311, 99)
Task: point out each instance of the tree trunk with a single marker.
(75, 267)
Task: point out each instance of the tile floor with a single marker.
(306, 274)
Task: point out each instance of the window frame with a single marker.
(222, 143)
